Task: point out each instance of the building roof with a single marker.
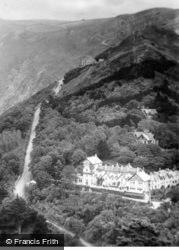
(138, 134)
(169, 175)
(127, 176)
(128, 169)
(143, 176)
(148, 136)
(151, 111)
(117, 169)
(162, 175)
(87, 60)
(94, 160)
(31, 182)
(154, 177)
(112, 168)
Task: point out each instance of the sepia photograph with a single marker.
(89, 123)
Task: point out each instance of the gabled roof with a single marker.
(162, 177)
(169, 175)
(94, 160)
(127, 176)
(112, 168)
(113, 175)
(88, 60)
(142, 175)
(147, 136)
(138, 134)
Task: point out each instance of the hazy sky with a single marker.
(76, 9)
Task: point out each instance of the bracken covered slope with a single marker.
(36, 53)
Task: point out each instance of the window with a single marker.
(86, 182)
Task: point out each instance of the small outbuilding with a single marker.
(88, 60)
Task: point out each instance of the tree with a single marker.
(139, 233)
(74, 225)
(177, 239)
(89, 144)
(3, 193)
(42, 178)
(141, 162)
(103, 150)
(100, 227)
(133, 104)
(167, 134)
(78, 156)
(174, 194)
(148, 124)
(17, 215)
(68, 177)
(126, 155)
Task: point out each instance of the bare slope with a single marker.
(155, 50)
(36, 53)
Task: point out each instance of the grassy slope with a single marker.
(36, 53)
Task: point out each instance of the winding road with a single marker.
(19, 188)
(20, 185)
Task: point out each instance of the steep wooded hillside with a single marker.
(97, 111)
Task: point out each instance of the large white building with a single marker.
(124, 178)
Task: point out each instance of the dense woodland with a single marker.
(15, 127)
(99, 119)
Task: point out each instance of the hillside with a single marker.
(140, 71)
(97, 111)
(37, 53)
